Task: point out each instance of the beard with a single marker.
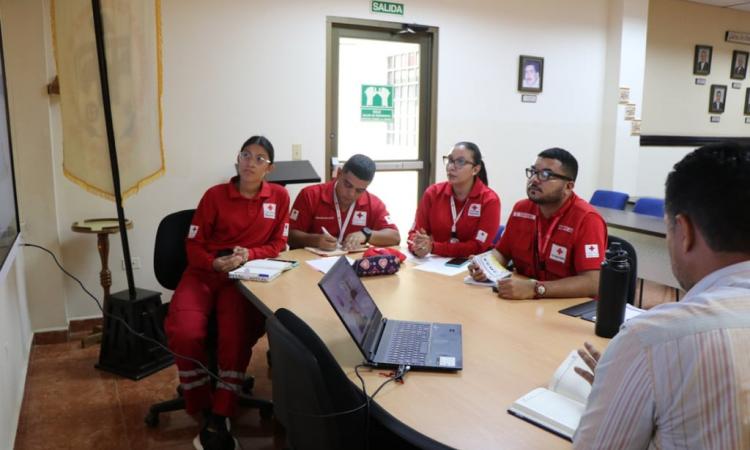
(536, 196)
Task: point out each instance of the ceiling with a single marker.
(741, 5)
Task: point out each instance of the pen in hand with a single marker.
(327, 234)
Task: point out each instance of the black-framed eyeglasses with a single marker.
(458, 163)
(257, 159)
(545, 174)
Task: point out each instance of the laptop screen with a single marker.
(350, 299)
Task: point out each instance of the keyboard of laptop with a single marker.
(410, 343)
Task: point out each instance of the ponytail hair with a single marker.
(477, 155)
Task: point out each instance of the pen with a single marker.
(326, 231)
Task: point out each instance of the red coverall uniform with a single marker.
(224, 219)
(314, 208)
(572, 241)
(478, 219)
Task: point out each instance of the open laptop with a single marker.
(387, 342)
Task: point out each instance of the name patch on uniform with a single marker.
(388, 220)
(481, 235)
(592, 250)
(360, 218)
(323, 217)
(269, 210)
(524, 215)
(193, 231)
(286, 230)
(558, 253)
(294, 214)
(565, 228)
(475, 210)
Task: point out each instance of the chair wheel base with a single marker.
(266, 412)
(152, 419)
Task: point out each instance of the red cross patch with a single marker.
(269, 210)
(360, 218)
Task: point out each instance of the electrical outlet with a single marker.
(135, 263)
(296, 152)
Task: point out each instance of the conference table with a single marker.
(509, 348)
(647, 234)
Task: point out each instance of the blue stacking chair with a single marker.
(609, 199)
(649, 206)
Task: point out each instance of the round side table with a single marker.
(102, 228)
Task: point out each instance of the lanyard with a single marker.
(342, 227)
(456, 216)
(541, 245)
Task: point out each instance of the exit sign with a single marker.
(387, 7)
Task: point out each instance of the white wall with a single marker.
(25, 38)
(673, 103)
(15, 344)
(232, 69)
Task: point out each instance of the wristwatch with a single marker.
(368, 234)
(539, 289)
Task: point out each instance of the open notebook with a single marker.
(261, 270)
(558, 407)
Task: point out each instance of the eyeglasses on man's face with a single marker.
(257, 159)
(545, 174)
(458, 163)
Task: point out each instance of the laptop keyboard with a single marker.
(410, 343)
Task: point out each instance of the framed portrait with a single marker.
(747, 102)
(530, 73)
(717, 99)
(702, 59)
(739, 65)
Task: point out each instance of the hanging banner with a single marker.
(132, 41)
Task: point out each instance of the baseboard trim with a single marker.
(76, 327)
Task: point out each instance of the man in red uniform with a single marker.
(554, 237)
(244, 219)
(342, 212)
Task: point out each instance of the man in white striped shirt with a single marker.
(678, 376)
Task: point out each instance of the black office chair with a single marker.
(170, 261)
(633, 260)
(314, 401)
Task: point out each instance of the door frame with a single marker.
(428, 91)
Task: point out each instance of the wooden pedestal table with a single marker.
(102, 228)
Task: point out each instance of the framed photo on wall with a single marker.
(739, 65)
(747, 102)
(530, 73)
(702, 59)
(718, 98)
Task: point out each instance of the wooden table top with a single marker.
(108, 225)
(509, 348)
(630, 221)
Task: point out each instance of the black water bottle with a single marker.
(613, 289)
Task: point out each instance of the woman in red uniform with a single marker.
(458, 217)
(246, 218)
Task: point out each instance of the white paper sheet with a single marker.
(325, 264)
(436, 264)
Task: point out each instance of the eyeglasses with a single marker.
(458, 163)
(257, 159)
(545, 174)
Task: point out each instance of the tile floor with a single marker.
(70, 405)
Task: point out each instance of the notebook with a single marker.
(387, 342)
(261, 270)
(558, 407)
(334, 252)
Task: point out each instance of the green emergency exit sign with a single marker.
(387, 8)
